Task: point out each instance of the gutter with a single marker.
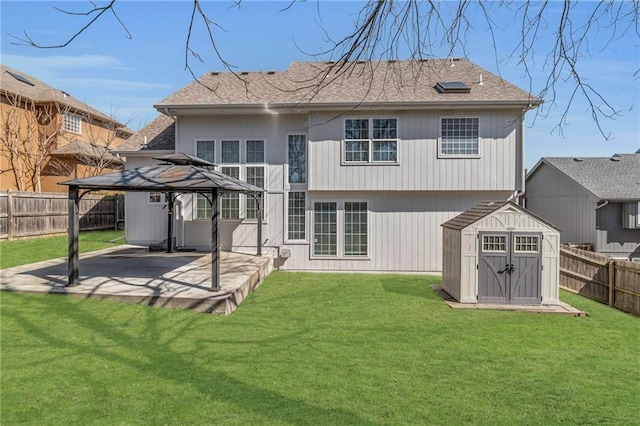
(604, 203)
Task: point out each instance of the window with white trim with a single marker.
(72, 123)
(526, 243)
(255, 151)
(355, 229)
(459, 136)
(497, 243)
(371, 140)
(230, 151)
(297, 153)
(296, 216)
(203, 207)
(230, 202)
(255, 176)
(325, 229)
(205, 149)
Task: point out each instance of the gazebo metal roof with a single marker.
(181, 173)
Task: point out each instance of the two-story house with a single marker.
(48, 136)
(595, 201)
(360, 168)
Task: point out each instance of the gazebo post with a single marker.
(74, 227)
(215, 242)
(170, 222)
(259, 243)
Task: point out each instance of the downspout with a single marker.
(599, 206)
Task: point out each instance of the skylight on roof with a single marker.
(452, 87)
(20, 78)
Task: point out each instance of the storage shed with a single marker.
(498, 252)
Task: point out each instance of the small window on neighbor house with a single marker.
(72, 123)
(459, 136)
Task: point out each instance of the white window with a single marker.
(155, 198)
(72, 123)
(355, 229)
(230, 203)
(496, 243)
(526, 244)
(371, 140)
(203, 207)
(459, 136)
(296, 216)
(325, 229)
(297, 150)
(255, 151)
(206, 150)
(230, 152)
(255, 176)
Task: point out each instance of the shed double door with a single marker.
(509, 268)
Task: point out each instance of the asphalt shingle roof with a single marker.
(41, 92)
(307, 84)
(160, 136)
(608, 178)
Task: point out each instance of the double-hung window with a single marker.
(371, 140)
(355, 229)
(296, 216)
(72, 123)
(205, 149)
(459, 136)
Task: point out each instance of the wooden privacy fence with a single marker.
(30, 214)
(598, 277)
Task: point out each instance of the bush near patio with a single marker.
(317, 349)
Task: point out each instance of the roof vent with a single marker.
(480, 81)
(615, 158)
(577, 160)
(244, 73)
(215, 73)
(452, 87)
(271, 72)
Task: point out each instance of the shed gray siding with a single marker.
(558, 200)
(612, 238)
(419, 168)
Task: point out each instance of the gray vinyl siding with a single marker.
(404, 230)
(612, 238)
(561, 202)
(419, 166)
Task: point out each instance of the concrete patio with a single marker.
(132, 274)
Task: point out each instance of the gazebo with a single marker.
(178, 174)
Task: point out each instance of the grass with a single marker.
(316, 349)
(23, 252)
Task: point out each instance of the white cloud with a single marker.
(62, 62)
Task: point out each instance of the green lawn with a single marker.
(316, 349)
(22, 252)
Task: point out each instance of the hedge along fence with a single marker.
(598, 277)
(31, 214)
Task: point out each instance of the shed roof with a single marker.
(484, 209)
(364, 83)
(607, 178)
(164, 178)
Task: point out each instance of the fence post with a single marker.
(611, 279)
(9, 215)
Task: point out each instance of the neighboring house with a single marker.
(594, 201)
(360, 168)
(47, 136)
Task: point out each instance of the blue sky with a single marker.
(125, 77)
